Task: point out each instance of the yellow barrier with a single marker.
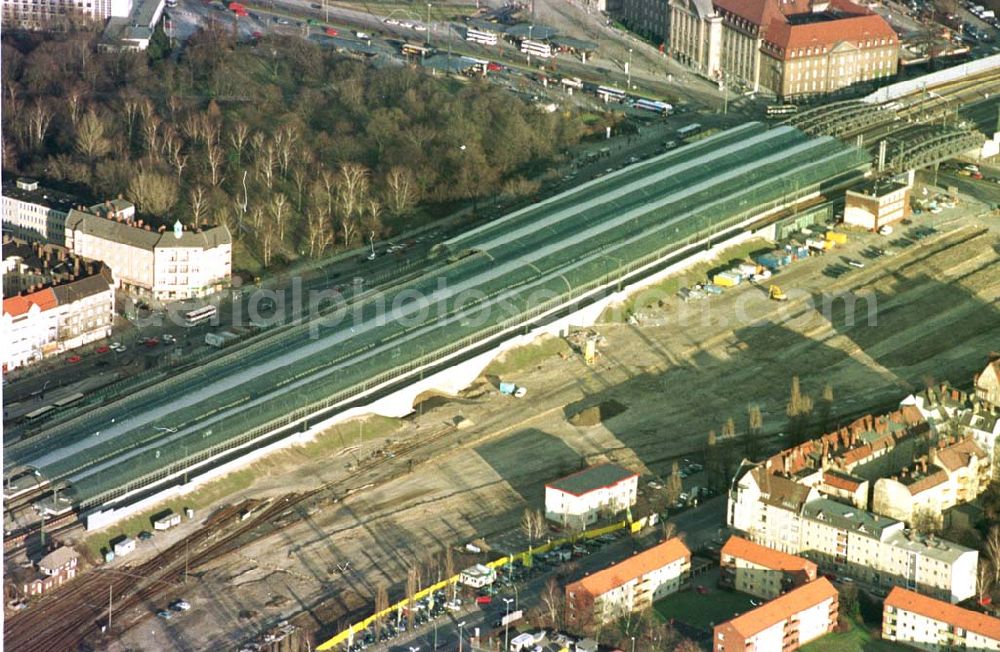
(524, 556)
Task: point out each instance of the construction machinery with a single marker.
(775, 294)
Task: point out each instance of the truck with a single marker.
(510, 389)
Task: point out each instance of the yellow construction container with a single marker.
(839, 238)
(724, 280)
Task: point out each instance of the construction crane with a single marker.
(775, 294)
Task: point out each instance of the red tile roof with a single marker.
(959, 455)
(783, 607)
(841, 481)
(945, 612)
(44, 299)
(854, 29)
(632, 568)
(764, 556)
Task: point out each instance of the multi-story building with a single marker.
(988, 383)
(152, 261)
(648, 18)
(791, 48)
(579, 499)
(783, 624)
(919, 621)
(766, 573)
(36, 14)
(876, 204)
(632, 585)
(31, 212)
(76, 308)
(767, 507)
(956, 472)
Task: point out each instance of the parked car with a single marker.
(164, 614)
(180, 605)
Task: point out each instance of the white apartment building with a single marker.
(632, 585)
(988, 383)
(36, 14)
(31, 212)
(162, 264)
(579, 499)
(783, 624)
(919, 621)
(57, 319)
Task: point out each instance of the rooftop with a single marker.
(945, 612)
(840, 480)
(28, 190)
(783, 607)
(878, 187)
(959, 454)
(933, 548)
(592, 479)
(764, 556)
(849, 518)
(120, 226)
(632, 568)
(58, 558)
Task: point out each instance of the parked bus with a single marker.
(690, 130)
(481, 37)
(780, 109)
(194, 317)
(652, 105)
(609, 94)
(412, 50)
(536, 48)
(572, 82)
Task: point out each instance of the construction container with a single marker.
(508, 388)
(748, 269)
(711, 288)
(839, 238)
(727, 279)
(816, 244)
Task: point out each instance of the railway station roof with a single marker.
(535, 32)
(574, 43)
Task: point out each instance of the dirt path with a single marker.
(680, 371)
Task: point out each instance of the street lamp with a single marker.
(506, 623)
(633, 643)
(628, 70)
(427, 40)
(460, 626)
(530, 28)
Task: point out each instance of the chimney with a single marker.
(147, 228)
(139, 223)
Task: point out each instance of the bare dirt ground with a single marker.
(680, 371)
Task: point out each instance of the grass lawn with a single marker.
(522, 357)
(703, 611)
(859, 639)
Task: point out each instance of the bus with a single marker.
(572, 82)
(536, 48)
(481, 37)
(690, 130)
(776, 110)
(194, 317)
(652, 105)
(413, 50)
(609, 94)
(67, 400)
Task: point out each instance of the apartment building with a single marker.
(648, 18)
(632, 585)
(75, 309)
(150, 260)
(579, 499)
(766, 573)
(767, 507)
(955, 472)
(783, 624)
(791, 48)
(988, 383)
(38, 14)
(922, 622)
(32, 212)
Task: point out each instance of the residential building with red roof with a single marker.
(988, 383)
(791, 48)
(56, 303)
(632, 585)
(761, 571)
(923, 622)
(783, 624)
(578, 499)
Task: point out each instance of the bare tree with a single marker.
(173, 149)
(151, 134)
(401, 190)
(992, 544)
(675, 484)
(90, 139)
(199, 203)
(669, 529)
(729, 429)
(449, 562)
(265, 160)
(984, 578)
(279, 213)
(318, 233)
(214, 158)
(532, 525)
(130, 110)
(381, 604)
(551, 604)
(39, 118)
(238, 137)
(153, 192)
(412, 586)
(285, 139)
(299, 177)
(74, 101)
(266, 246)
(350, 193)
